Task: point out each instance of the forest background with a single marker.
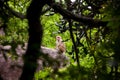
(90, 30)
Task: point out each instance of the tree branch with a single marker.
(15, 13)
(18, 14)
(69, 15)
(74, 44)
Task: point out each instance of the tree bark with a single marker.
(35, 38)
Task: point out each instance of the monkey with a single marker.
(60, 46)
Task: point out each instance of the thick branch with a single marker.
(70, 15)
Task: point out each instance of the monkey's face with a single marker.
(58, 38)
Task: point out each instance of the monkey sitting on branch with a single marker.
(60, 46)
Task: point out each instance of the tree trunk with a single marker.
(35, 38)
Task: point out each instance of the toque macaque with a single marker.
(60, 46)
